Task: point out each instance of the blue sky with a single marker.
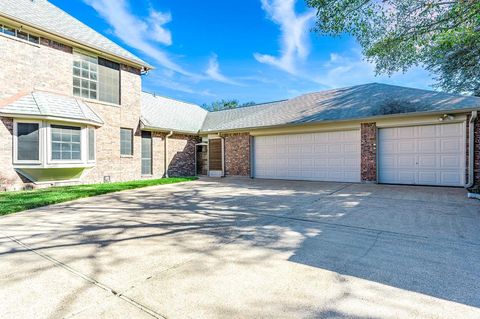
(249, 50)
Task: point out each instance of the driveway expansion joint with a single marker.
(134, 303)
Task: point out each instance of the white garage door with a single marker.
(423, 155)
(330, 156)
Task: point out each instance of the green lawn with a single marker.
(12, 202)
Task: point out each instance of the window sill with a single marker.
(97, 101)
(147, 176)
(126, 156)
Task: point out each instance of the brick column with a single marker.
(369, 152)
(237, 154)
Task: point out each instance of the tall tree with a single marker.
(441, 35)
(225, 105)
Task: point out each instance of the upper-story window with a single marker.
(19, 34)
(96, 78)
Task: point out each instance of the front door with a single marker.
(215, 157)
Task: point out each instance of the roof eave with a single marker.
(50, 118)
(144, 66)
(145, 127)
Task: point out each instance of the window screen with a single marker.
(126, 141)
(27, 142)
(66, 142)
(91, 144)
(146, 153)
(109, 81)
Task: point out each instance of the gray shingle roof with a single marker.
(167, 114)
(45, 16)
(45, 104)
(357, 102)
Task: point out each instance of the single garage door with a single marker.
(327, 156)
(423, 155)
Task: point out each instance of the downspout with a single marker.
(165, 152)
(471, 149)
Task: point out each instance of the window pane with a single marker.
(91, 144)
(146, 153)
(85, 76)
(28, 142)
(33, 39)
(126, 136)
(9, 31)
(22, 35)
(66, 142)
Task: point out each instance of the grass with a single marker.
(12, 202)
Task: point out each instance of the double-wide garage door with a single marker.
(326, 156)
(422, 155)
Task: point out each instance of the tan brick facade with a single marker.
(237, 154)
(368, 152)
(48, 67)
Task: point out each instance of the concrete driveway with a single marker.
(240, 248)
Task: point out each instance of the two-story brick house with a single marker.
(72, 110)
(71, 103)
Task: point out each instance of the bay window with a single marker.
(96, 78)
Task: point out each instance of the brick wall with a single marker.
(181, 155)
(237, 154)
(369, 152)
(48, 67)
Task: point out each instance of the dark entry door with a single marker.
(215, 155)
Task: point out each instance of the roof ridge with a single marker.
(36, 103)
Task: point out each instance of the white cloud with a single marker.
(156, 21)
(343, 70)
(213, 71)
(294, 34)
(137, 33)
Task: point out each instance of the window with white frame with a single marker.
(96, 78)
(19, 34)
(85, 76)
(126, 141)
(65, 143)
(27, 142)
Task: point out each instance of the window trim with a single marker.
(131, 142)
(15, 142)
(82, 144)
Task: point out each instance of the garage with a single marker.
(422, 155)
(325, 156)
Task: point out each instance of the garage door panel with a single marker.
(427, 145)
(328, 156)
(450, 162)
(407, 146)
(427, 155)
(405, 161)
